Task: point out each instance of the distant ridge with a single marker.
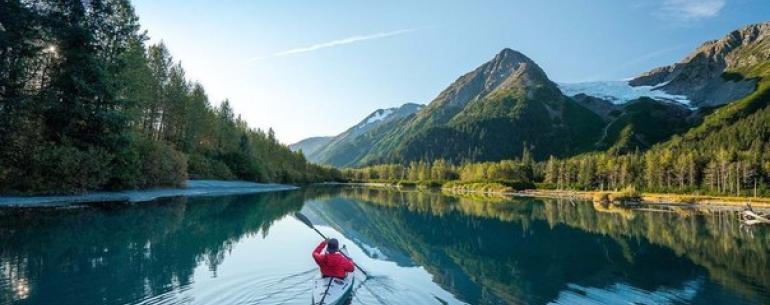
(705, 75)
(343, 149)
(310, 145)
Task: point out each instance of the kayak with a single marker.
(332, 291)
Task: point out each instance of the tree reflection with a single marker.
(525, 251)
(126, 251)
(485, 250)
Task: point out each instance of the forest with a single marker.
(682, 168)
(727, 153)
(86, 104)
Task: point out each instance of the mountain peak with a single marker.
(715, 73)
(508, 69)
(721, 50)
(508, 60)
(510, 55)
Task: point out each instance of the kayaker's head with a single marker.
(332, 245)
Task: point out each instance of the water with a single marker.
(421, 247)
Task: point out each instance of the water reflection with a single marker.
(426, 248)
(532, 251)
(116, 254)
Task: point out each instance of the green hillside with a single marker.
(492, 113)
(643, 123)
(647, 145)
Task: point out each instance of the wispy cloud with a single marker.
(691, 9)
(632, 64)
(651, 55)
(333, 43)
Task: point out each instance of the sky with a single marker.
(316, 68)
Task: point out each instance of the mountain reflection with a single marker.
(483, 250)
(532, 251)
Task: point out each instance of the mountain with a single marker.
(509, 104)
(381, 117)
(742, 123)
(492, 113)
(724, 82)
(638, 124)
(310, 145)
(602, 107)
(708, 75)
(347, 147)
(641, 123)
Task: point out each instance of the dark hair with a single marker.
(332, 245)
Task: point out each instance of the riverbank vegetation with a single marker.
(726, 154)
(85, 104)
(678, 168)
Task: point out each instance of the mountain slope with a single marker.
(638, 124)
(643, 123)
(508, 104)
(310, 145)
(743, 124)
(706, 77)
(492, 113)
(347, 147)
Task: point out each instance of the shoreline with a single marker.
(650, 199)
(194, 188)
(668, 199)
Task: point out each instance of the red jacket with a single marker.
(332, 264)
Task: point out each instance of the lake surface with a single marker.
(421, 247)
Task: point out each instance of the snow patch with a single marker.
(620, 92)
(378, 115)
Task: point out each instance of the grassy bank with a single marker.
(398, 183)
(624, 196)
(656, 198)
(486, 186)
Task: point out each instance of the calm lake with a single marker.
(421, 247)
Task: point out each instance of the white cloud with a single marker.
(333, 43)
(691, 9)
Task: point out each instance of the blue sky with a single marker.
(309, 68)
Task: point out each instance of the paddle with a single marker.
(307, 222)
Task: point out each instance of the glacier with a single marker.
(620, 92)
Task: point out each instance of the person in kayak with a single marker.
(333, 263)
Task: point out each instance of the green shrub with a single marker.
(404, 183)
(219, 170)
(198, 166)
(201, 167)
(161, 165)
(430, 184)
(127, 169)
(545, 186)
(501, 186)
(68, 169)
(627, 194)
(518, 185)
